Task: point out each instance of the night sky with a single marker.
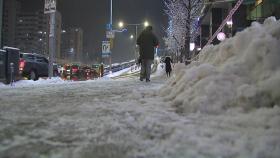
(92, 16)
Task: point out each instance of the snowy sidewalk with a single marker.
(118, 119)
(77, 118)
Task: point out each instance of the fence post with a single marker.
(12, 73)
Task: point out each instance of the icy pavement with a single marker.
(127, 118)
(79, 119)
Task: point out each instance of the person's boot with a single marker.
(148, 80)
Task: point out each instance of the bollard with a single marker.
(12, 73)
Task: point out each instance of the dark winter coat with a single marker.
(147, 41)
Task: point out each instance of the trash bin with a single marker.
(12, 56)
(3, 66)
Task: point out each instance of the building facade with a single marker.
(11, 10)
(258, 10)
(1, 21)
(32, 33)
(248, 11)
(58, 31)
(72, 44)
(28, 31)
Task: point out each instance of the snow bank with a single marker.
(23, 83)
(41, 81)
(58, 80)
(242, 72)
(2, 84)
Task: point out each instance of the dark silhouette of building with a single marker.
(249, 11)
(32, 33)
(11, 10)
(72, 44)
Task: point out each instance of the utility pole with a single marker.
(52, 43)
(1, 21)
(50, 8)
(111, 29)
(136, 48)
(111, 14)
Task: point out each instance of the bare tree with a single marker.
(183, 24)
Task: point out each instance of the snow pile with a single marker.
(53, 80)
(22, 83)
(2, 84)
(58, 80)
(241, 72)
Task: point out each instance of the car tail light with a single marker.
(74, 70)
(21, 64)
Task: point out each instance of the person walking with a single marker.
(101, 70)
(168, 67)
(147, 41)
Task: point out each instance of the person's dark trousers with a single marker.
(168, 73)
(146, 69)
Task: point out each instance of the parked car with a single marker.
(56, 70)
(66, 70)
(33, 66)
(95, 70)
(75, 70)
(71, 71)
(86, 73)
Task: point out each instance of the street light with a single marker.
(229, 24)
(192, 46)
(145, 24)
(121, 24)
(221, 36)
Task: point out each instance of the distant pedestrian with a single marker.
(168, 67)
(101, 70)
(139, 61)
(147, 41)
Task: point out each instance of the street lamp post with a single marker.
(111, 29)
(111, 14)
(50, 8)
(112, 33)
